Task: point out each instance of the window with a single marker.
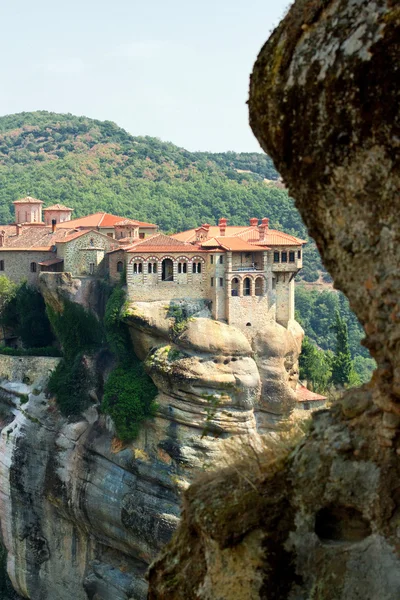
(137, 268)
(149, 268)
(221, 282)
(221, 260)
(273, 284)
(284, 256)
(291, 256)
(120, 266)
(33, 267)
(212, 259)
(109, 235)
(276, 257)
(197, 267)
(1, 265)
(182, 267)
(154, 267)
(247, 287)
(141, 235)
(299, 254)
(91, 268)
(258, 288)
(212, 281)
(91, 242)
(235, 287)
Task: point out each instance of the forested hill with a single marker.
(95, 165)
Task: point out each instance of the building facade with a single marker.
(247, 273)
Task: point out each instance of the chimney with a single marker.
(222, 226)
(253, 222)
(53, 225)
(2, 238)
(262, 229)
(18, 229)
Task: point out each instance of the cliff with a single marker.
(82, 514)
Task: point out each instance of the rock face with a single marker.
(319, 520)
(83, 515)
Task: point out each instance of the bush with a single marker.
(77, 329)
(70, 382)
(129, 399)
(129, 392)
(310, 275)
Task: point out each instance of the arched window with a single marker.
(33, 267)
(247, 287)
(235, 287)
(197, 267)
(258, 288)
(120, 266)
(137, 268)
(167, 273)
(182, 267)
(152, 267)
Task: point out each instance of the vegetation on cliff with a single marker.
(129, 392)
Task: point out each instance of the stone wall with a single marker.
(17, 264)
(80, 252)
(26, 368)
(143, 286)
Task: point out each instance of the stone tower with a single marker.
(28, 210)
(57, 213)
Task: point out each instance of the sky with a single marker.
(174, 69)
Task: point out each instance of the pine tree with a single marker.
(342, 365)
(315, 366)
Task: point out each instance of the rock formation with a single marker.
(82, 514)
(319, 520)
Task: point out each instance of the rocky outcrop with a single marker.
(318, 520)
(82, 514)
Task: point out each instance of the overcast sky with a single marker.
(173, 69)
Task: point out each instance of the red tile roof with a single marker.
(28, 200)
(57, 207)
(32, 237)
(50, 262)
(305, 395)
(232, 243)
(100, 219)
(251, 234)
(162, 243)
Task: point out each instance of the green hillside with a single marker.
(95, 165)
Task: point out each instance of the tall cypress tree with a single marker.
(342, 365)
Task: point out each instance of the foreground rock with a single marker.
(319, 520)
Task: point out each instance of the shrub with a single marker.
(70, 382)
(129, 392)
(76, 328)
(129, 399)
(310, 274)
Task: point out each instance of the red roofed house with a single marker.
(247, 273)
(31, 245)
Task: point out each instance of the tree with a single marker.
(315, 366)
(342, 366)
